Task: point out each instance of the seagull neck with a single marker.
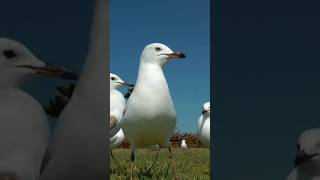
(151, 73)
(149, 67)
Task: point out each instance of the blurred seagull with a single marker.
(150, 116)
(117, 103)
(184, 145)
(116, 141)
(24, 128)
(204, 125)
(78, 150)
(307, 161)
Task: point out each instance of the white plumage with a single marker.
(204, 125)
(24, 128)
(150, 116)
(117, 139)
(117, 103)
(184, 145)
(78, 149)
(307, 161)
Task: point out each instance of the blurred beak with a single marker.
(53, 71)
(302, 157)
(176, 55)
(204, 111)
(127, 84)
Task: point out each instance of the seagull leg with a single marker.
(132, 164)
(172, 162)
(115, 161)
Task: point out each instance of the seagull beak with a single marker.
(204, 111)
(176, 55)
(302, 157)
(53, 71)
(127, 84)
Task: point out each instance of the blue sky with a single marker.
(183, 26)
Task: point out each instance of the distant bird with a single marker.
(150, 117)
(78, 147)
(24, 128)
(204, 125)
(307, 161)
(184, 145)
(117, 102)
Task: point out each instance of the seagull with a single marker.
(24, 128)
(117, 103)
(150, 117)
(78, 147)
(307, 161)
(116, 141)
(184, 145)
(204, 125)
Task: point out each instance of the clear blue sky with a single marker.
(183, 26)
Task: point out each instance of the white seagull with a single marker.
(307, 161)
(78, 148)
(24, 128)
(117, 139)
(150, 117)
(117, 103)
(184, 145)
(204, 125)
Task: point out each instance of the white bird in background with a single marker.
(184, 145)
(117, 103)
(307, 161)
(204, 125)
(117, 139)
(24, 128)
(150, 116)
(78, 149)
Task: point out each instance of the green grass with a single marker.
(193, 163)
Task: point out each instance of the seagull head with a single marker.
(308, 148)
(18, 64)
(206, 107)
(116, 82)
(160, 54)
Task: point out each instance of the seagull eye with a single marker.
(157, 49)
(9, 54)
(113, 78)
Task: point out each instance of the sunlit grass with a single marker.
(193, 163)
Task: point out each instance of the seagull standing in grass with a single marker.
(184, 145)
(24, 128)
(204, 125)
(307, 161)
(117, 103)
(150, 116)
